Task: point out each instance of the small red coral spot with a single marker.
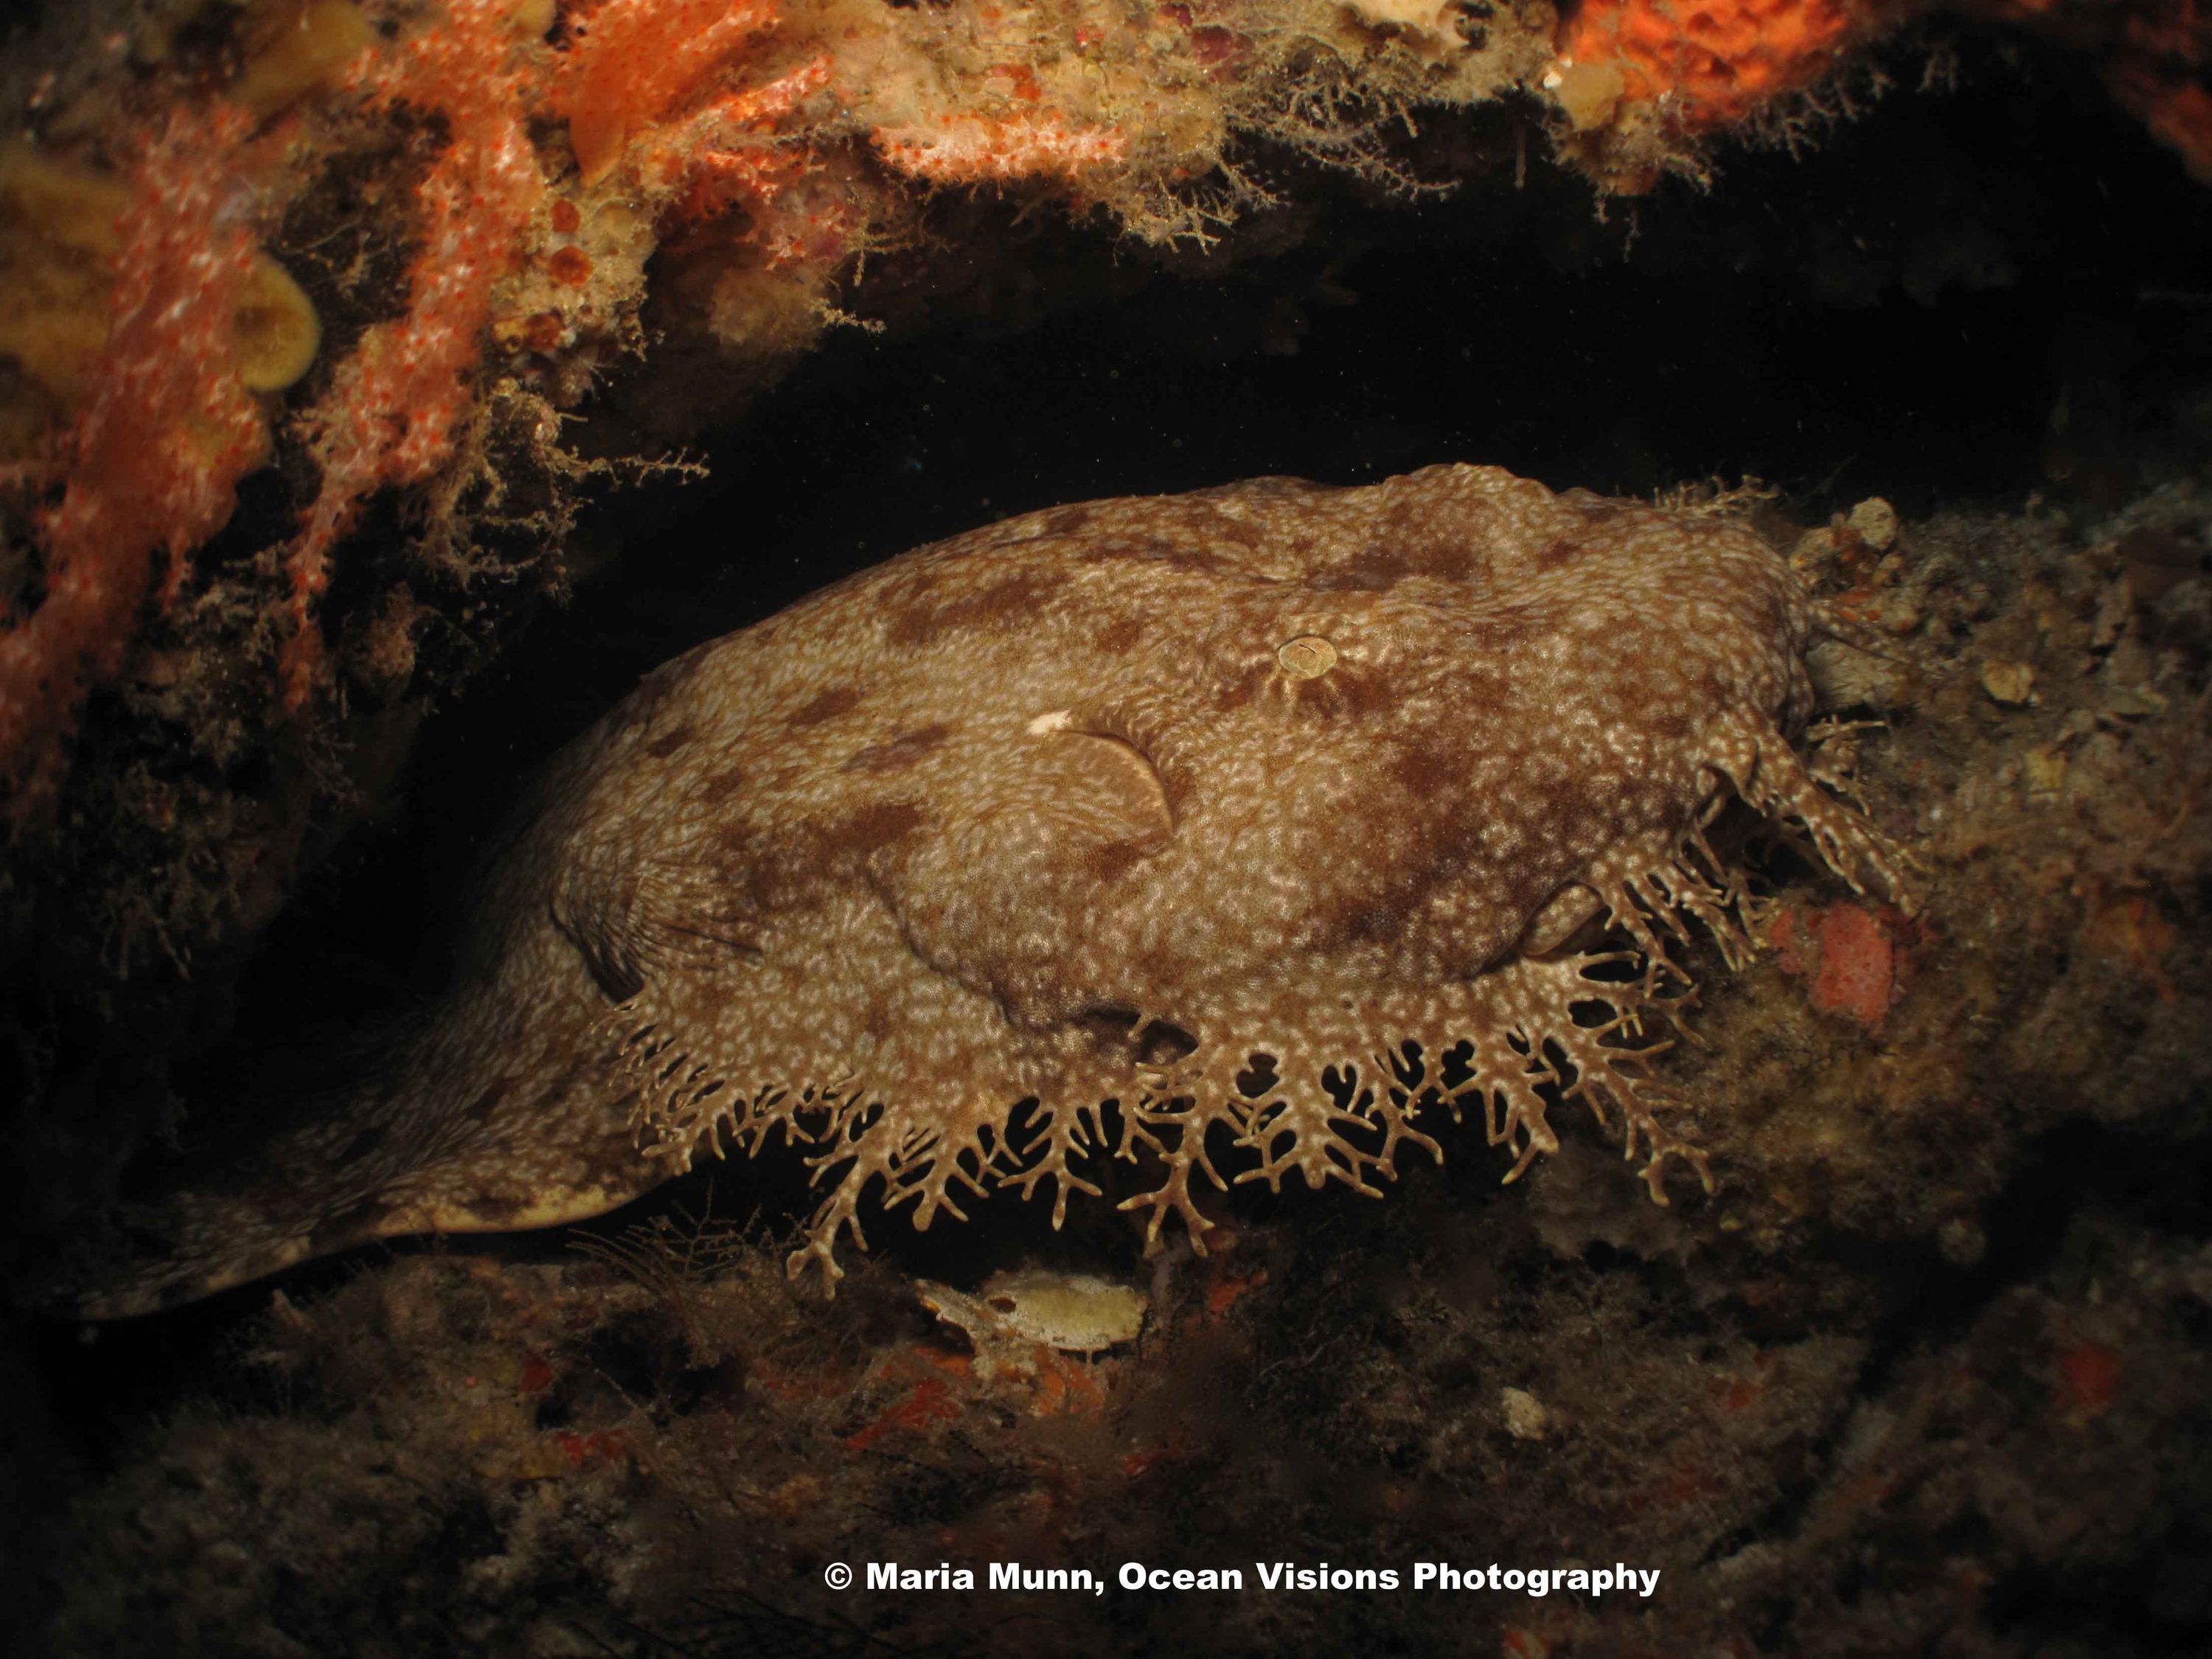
(2088, 1378)
(565, 216)
(536, 1376)
(1135, 1466)
(1023, 79)
(1851, 953)
(1225, 1291)
(1065, 1388)
(930, 1401)
(600, 1446)
(1740, 1391)
(2132, 932)
(1782, 934)
(1215, 46)
(544, 331)
(570, 266)
(1858, 965)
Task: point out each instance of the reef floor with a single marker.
(1931, 1372)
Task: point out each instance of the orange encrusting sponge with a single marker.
(1715, 62)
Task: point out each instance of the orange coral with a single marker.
(632, 62)
(2156, 54)
(650, 85)
(1715, 62)
(724, 155)
(2178, 115)
(1705, 65)
(641, 87)
(967, 148)
(692, 108)
(151, 465)
(393, 408)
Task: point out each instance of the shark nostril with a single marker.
(1307, 657)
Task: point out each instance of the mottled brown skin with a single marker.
(1100, 805)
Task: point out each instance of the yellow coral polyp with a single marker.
(293, 47)
(67, 207)
(54, 324)
(277, 331)
(57, 239)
